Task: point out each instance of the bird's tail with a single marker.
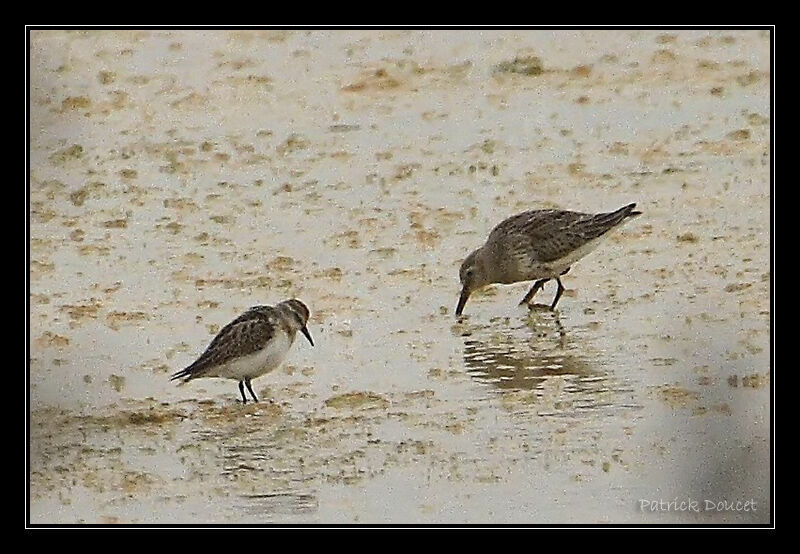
(185, 375)
(612, 219)
(600, 224)
(631, 211)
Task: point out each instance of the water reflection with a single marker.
(535, 354)
(513, 365)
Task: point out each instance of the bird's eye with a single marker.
(469, 273)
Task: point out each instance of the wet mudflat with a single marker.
(179, 177)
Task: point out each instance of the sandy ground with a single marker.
(179, 177)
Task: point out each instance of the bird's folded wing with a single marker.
(548, 234)
(554, 237)
(245, 335)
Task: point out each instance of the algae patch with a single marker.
(356, 400)
(521, 65)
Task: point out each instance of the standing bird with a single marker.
(538, 244)
(251, 345)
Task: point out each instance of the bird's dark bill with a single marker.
(304, 330)
(462, 301)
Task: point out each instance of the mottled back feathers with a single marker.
(247, 334)
(549, 235)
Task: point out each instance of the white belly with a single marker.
(259, 363)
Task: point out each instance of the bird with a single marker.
(251, 345)
(537, 244)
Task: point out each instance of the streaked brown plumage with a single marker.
(537, 244)
(251, 345)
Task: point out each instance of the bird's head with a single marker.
(473, 277)
(297, 313)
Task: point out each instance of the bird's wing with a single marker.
(545, 234)
(552, 234)
(245, 335)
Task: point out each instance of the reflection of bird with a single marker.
(508, 367)
(251, 345)
(538, 244)
(511, 359)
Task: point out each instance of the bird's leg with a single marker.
(559, 292)
(247, 382)
(534, 289)
(241, 389)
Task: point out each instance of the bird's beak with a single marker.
(304, 330)
(462, 300)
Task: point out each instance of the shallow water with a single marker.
(179, 177)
